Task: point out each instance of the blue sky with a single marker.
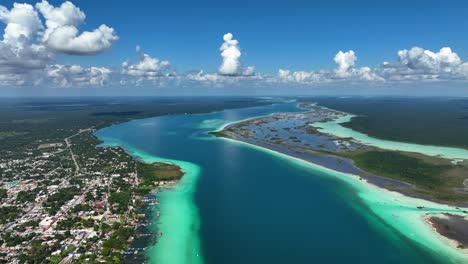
(272, 35)
(300, 35)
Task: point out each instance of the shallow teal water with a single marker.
(243, 204)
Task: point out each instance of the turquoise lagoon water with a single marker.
(243, 204)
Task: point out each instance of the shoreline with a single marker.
(336, 163)
(359, 184)
(176, 214)
(147, 235)
(455, 232)
(226, 125)
(347, 163)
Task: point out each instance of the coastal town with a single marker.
(72, 201)
(65, 197)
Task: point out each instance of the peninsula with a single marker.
(436, 174)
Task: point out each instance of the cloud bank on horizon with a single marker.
(35, 35)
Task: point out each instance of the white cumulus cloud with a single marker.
(345, 62)
(62, 33)
(19, 52)
(77, 76)
(22, 23)
(231, 54)
(421, 64)
(28, 48)
(345, 70)
(147, 67)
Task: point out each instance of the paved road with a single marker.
(67, 141)
(77, 167)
